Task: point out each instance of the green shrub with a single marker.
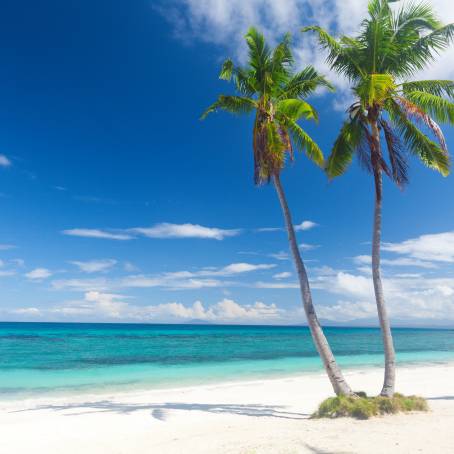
(363, 407)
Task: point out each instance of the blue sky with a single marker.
(118, 204)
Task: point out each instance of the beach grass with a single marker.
(363, 407)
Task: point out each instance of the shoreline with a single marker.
(126, 390)
(261, 416)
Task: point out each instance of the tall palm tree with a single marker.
(392, 46)
(268, 87)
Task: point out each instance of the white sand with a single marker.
(256, 417)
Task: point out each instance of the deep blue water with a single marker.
(53, 357)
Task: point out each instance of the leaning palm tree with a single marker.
(391, 47)
(268, 87)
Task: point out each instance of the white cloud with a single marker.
(175, 280)
(100, 305)
(403, 261)
(38, 274)
(407, 296)
(95, 303)
(276, 285)
(96, 233)
(305, 225)
(4, 161)
(166, 230)
(95, 266)
(269, 229)
(237, 268)
(437, 247)
(283, 275)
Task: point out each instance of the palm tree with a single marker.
(390, 48)
(268, 86)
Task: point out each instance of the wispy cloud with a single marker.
(402, 261)
(308, 247)
(6, 247)
(4, 161)
(175, 280)
(38, 274)
(224, 23)
(97, 233)
(160, 231)
(95, 266)
(281, 255)
(305, 225)
(167, 230)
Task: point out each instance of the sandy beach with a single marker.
(269, 416)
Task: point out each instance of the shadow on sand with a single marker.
(315, 450)
(161, 411)
(441, 398)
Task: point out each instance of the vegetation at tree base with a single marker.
(364, 407)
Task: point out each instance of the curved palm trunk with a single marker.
(336, 378)
(390, 356)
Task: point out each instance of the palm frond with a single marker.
(417, 115)
(431, 154)
(226, 70)
(304, 142)
(232, 104)
(344, 147)
(304, 83)
(435, 106)
(375, 88)
(296, 109)
(396, 152)
(433, 87)
(341, 58)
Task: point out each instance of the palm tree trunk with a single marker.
(336, 378)
(390, 356)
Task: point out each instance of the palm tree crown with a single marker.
(391, 47)
(269, 86)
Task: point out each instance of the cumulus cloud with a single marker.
(4, 161)
(408, 296)
(95, 266)
(38, 274)
(438, 247)
(97, 233)
(167, 230)
(95, 304)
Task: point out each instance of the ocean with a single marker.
(37, 358)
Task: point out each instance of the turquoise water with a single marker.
(37, 358)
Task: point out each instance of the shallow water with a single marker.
(38, 358)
